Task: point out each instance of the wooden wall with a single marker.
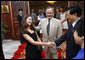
(7, 19)
(11, 17)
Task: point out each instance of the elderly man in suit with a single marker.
(51, 30)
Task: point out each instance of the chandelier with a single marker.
(51, 2)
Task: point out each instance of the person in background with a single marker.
(64, 28)
(79, 38)
(62, 17)
(40, 17)
(19, 18)
(34, 17)
(57, 14)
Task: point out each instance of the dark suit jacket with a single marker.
(19, 18)
(72, 48)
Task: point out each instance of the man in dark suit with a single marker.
(72, 48)
(19, 18)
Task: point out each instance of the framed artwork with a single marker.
(4, 8)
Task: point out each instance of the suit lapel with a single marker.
(45, 23)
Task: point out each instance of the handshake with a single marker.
(50, 44)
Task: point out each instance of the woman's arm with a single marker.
(38, 38)
(28, 38)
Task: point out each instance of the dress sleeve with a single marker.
(24, 32)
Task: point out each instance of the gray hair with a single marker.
(50, 8)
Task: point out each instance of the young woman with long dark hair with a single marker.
(31, 38)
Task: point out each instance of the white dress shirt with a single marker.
(74, 23)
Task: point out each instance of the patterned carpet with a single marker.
(9, 47)
(14, 50)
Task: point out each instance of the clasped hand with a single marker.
(50, 44)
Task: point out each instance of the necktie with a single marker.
(48, 27)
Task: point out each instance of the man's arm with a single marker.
(64, 37)
(64, 20)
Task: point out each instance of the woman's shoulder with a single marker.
(25, 32)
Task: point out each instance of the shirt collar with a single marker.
(20, 14)
(75, 22)
(50, 19)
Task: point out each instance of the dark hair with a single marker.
(58, 9)
(20, 10)
(79, 27)
(75, 9)
(24, 24)
(62, 8)
(68, 8)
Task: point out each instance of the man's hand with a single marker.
(50, 44)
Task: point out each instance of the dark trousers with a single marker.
(21, 39)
